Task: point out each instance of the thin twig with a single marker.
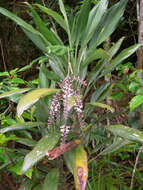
(135, 166)
(43, 3)
(2, 53)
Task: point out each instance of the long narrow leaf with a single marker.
(119, 143)
(126, 132)
(49, 35)
(58, 18)
(93, 20)
(18, 20)
(32, 97)
(100, 105)
(13, 92)
(99, 91)
(33, 34)
(97, 54)
(107, 25)
(57, 67)
(114, 49)
(62, 8)
(121, 57)
(76, 160)
(20, 126)
(51, 181)
(45, 144)
(81, 23)
(37, 40)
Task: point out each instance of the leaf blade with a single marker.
(58, 18)
(32, 97)
(20, 126)
(135, 102)
(100, 105)
(49, 35)
(126, 132)
(52, 179)
(46, 143)
(121, 57)
(13, 92)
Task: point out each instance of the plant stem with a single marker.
(135, 166)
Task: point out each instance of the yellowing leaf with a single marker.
(32, 97)
(97, 104)
(80, 168)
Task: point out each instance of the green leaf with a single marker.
(17, 81)
(135, 102)
(121, 86)
(43, 77)
(94, 74)
(69, 158)
(100, 105)
(49, 35)
(33, 34)
(39, 59)
(52, 179)
(96, 54)
(46, 143)
(62, 8)
(58, 50)
(93, 20)
(81, 23)
(99, 91)
(117, 144)
(56, 67)
(116, 95)
(58, 18)
(121, 57)
(114, 49)
(139, 91)
(13, 92)
(107, 25)
(18, 20)
(133, 86)
(38, 187)
(26, 141)
(28, 184)
(126, 132)
(37, 40)
(32, 97)
(16, 168)
(20, 126)
(4, 74)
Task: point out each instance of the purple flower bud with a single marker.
(64, 132)
(68, 89)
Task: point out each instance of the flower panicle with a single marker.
(67, 90)
(55, 109)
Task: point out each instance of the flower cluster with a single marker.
(55, 109)
(70, 87)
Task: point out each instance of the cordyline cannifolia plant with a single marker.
(86, 31)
